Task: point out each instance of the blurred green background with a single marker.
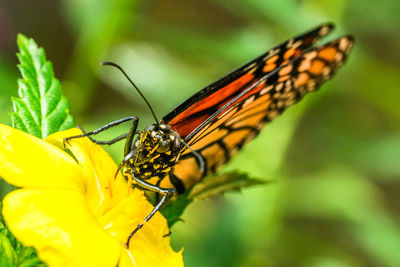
(334, 157)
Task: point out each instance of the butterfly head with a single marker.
(160, 138)
(157, 149)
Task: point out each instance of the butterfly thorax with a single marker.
(155, 152)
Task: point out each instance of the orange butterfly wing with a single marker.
(218, 125)
(189, 115)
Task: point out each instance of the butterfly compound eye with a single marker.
(163, 146)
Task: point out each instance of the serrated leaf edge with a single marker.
(33, 67)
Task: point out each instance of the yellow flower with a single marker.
(72, 210)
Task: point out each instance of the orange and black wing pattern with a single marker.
(188, 116)
(219, 120)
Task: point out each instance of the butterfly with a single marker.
(209, 128)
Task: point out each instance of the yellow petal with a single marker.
(149, 246)
(60, 226)
(127, 260)
(85, 226)
(120, 209)
(27, 161)
(102, 189)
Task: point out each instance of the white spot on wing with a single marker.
(248, 101)
(266, 90)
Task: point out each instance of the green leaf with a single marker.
(219, 184)
(8, 256)
(174, 210)
(40, 109)
(13, 253)
(210, 186)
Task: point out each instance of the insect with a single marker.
(205, 131)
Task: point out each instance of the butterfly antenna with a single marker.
(134, 85)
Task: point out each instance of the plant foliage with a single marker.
(40, 109)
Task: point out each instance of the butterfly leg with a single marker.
(103, 128)
(130, 136)
(200, 159)
(167, 194)
(110, 142)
